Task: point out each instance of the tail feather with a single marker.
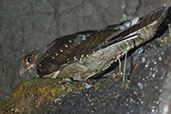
(157, 15)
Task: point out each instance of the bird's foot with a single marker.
(120, 70)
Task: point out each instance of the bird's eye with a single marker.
(29, 59)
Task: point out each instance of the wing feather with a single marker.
(70, 48)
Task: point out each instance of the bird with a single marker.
(82, 55)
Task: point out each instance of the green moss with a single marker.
(31, 94)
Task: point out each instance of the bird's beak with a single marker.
(22, 70)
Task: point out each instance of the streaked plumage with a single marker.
(84, 54)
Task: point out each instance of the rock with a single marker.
(147, 92)
(30, 95)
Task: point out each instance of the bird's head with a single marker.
(29, 61)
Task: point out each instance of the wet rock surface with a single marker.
(147, 92)
(25, 25)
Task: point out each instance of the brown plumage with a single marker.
(70, 55)
(71, 48)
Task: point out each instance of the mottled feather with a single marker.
(70, 48)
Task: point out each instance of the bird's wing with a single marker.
(73, 47)
(70, 48)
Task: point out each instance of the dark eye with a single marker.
(29, 59)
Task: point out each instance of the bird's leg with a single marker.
(125, 63)
(120, 67)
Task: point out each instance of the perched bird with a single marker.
(82, 55)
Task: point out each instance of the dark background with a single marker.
(29, 24)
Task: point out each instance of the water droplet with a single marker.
(157, 102)
(160, 58)
(140, 50)
(135, 92)
(156, 87)
(147, 77)
(153, 75)
(140, 85)
(160, 90)
(152, 110)
(161, 77)
(131, 100)
(126, 104)
(142, 102)
(151, 69)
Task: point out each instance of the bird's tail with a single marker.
(140, 26)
